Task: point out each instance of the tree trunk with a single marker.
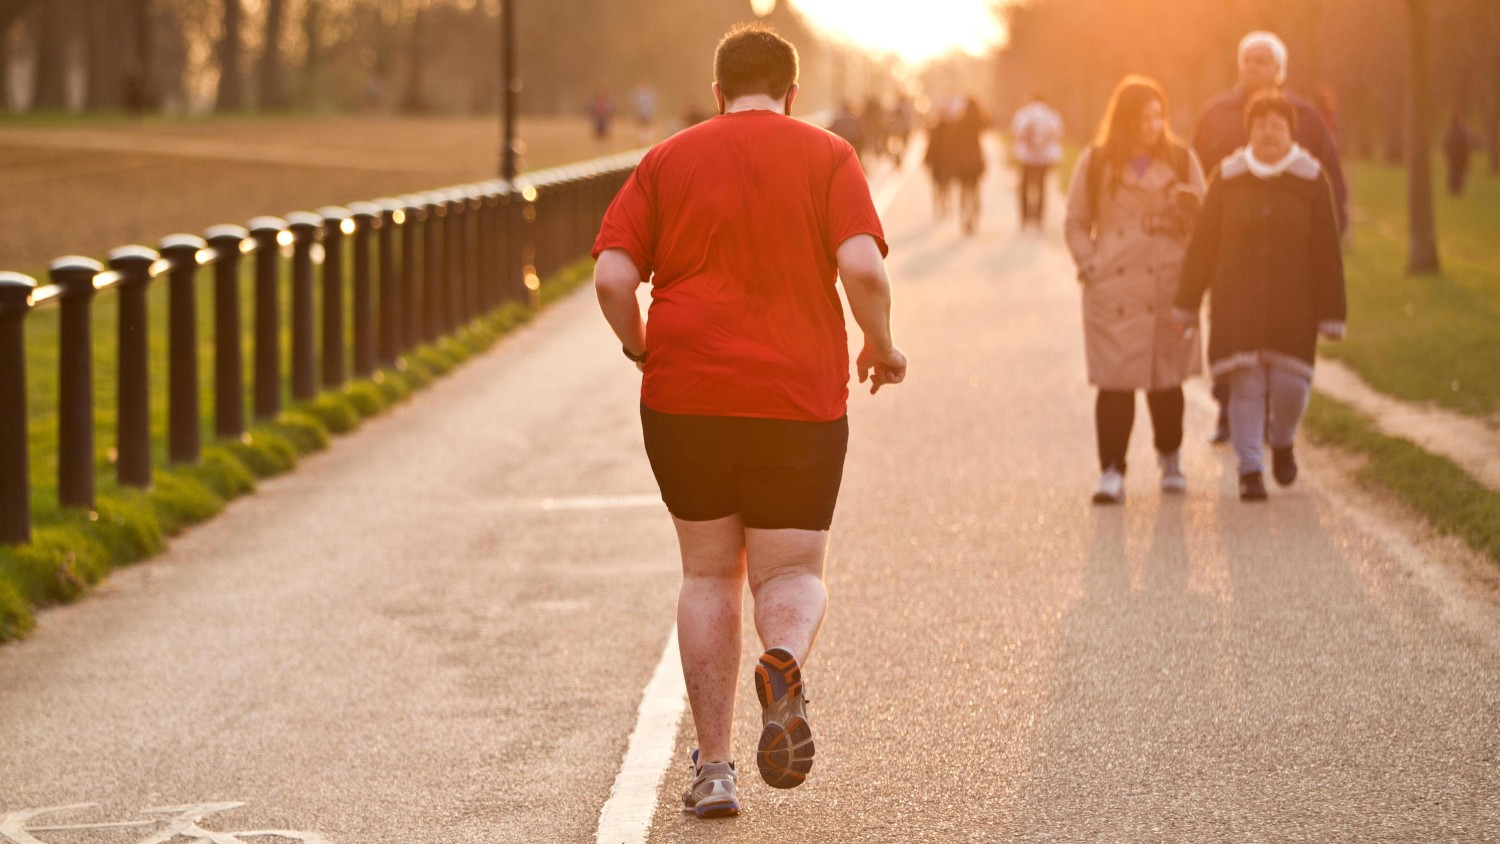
(5, 27)
(231, 74)
(1422, 249)
(106, 55)
(312, 60)
(140, 93)
(53, 38)
(273, 94)
(415, 101)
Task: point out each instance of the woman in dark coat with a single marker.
(1267, 245)
(966, 158)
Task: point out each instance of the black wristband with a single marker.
(641, 359)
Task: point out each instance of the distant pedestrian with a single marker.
(643, 101)
(1458, 145)
(939, 162)
(1131, 207)
(873, 125)
(903, 119)
(743, 226)
(965, 149)
(601, 113)
(1220, 132)
(1267, 248)
(846, 125)
(1036, 145)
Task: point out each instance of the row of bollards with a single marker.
(413, 269)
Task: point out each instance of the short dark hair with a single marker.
(1270, 101)
(753, 59)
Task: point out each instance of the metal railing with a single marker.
(422, 266)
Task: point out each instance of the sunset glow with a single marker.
(916, 32)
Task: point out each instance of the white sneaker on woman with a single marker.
(1173, 482)
(1111, 489)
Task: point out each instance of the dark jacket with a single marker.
(1221, 130)
(1269, 250)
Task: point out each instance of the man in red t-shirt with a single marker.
(743, 224)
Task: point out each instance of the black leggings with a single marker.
(1114, 416)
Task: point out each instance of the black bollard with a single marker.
(392, 219)
(184, 435)
(15, 462)
(366, 216)
(74, 276)
(457, 264)
(306, 228)
(434, 272)
(133, 393)
(229, 351)
(336, 224)
(270, 235)
(413, 265)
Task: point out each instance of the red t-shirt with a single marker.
(737, 222)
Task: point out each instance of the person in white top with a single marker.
(1037, 132)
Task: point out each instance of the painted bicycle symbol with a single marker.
(172, 823)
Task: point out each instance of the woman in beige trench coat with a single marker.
(1131, 206)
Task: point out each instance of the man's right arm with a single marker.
(868, 286)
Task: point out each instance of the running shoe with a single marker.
(785, 752)
(713, 793)
(1173, 481)
(1111, 489)
(1284, 466)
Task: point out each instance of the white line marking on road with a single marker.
(626, 816)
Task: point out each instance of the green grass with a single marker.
(73, 549)
(1452, 501)
(1428, 338)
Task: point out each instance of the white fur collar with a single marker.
(1298, 162)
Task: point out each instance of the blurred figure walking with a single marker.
(1037, 133)
(601, 109)
(1220, 132)
(939, 161)
(1267, 246)
(1458, 145)
(966, 162)
(1131, 207)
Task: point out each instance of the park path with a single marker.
(1466, 440)
(440, 629)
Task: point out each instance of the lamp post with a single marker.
(510, 86)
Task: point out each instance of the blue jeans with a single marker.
(1250, 388)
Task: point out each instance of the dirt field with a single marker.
(86, 188)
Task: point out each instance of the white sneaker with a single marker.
(1111, 488)
(1173, 482)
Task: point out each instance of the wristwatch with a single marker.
(637, 359)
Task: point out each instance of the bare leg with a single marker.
(708, 626)
(786, 579)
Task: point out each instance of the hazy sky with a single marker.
(916, 30)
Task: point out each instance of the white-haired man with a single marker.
(1220, 131)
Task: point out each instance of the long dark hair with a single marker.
(1121, 127)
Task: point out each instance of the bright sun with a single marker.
(915, 30)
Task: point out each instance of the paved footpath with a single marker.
(440, 630)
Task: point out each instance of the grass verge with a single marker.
(73, 549)
(1452, 501)
(1429, 338)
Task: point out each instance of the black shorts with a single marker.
(775, 473)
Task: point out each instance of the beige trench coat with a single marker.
(1129, 263)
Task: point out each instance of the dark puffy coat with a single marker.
(1269, 251)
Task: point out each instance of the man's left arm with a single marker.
(616, 280)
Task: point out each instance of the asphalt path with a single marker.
(440, 630)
